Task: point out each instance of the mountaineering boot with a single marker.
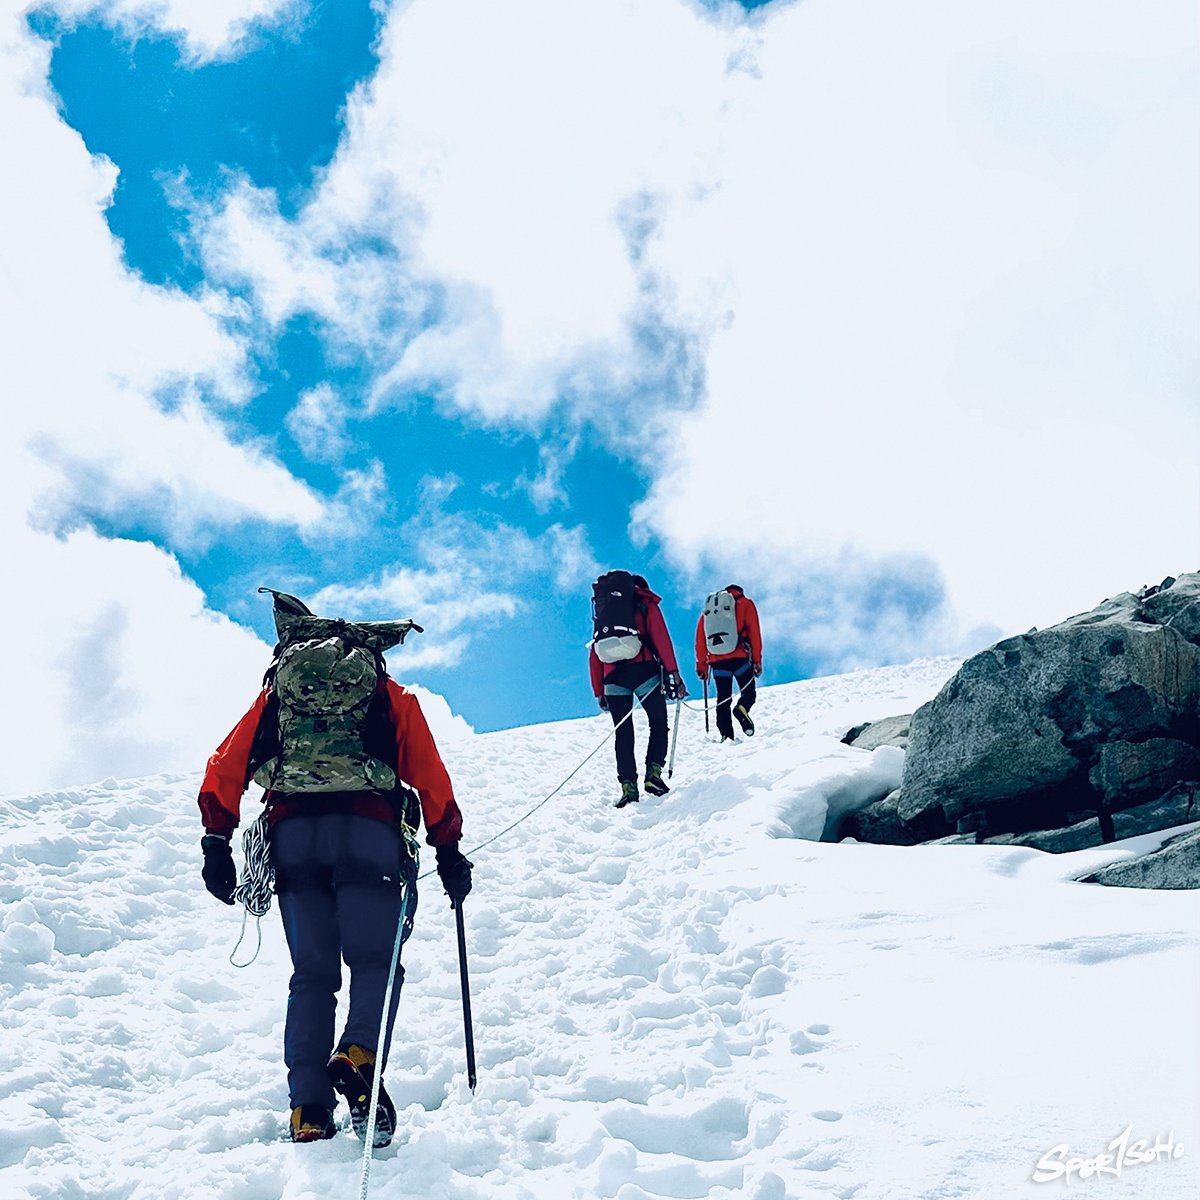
(312, 1123)
(629, 793)
(351, 1070)
(655, 784)
(743, 719)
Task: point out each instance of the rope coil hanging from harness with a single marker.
(258, 882)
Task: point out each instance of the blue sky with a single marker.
(436, 308)
(273, 116)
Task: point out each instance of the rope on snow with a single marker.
(258, 876)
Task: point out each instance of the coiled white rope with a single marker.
(258, 882)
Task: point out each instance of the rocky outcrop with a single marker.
(1175, 604)
(1086, 718)
(889, 731)
(881, 823)
(1175, 865)
(1125, 773)
(1180, 806)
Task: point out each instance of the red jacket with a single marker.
(656, 641)
(417, 764)
(749, 636)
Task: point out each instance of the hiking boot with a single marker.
(351, 1070)
(312, 1123)
(655, 784)
(629, 793)
(743, 719)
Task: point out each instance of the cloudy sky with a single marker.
(886, 310)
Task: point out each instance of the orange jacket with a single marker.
(417, 763)
(749, 636)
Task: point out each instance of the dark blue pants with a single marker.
(724, 675)
(338, 877)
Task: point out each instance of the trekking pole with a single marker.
(364, 1178)
(706, 704)
(674, 737)
(466, 994)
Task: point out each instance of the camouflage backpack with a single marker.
(326, 677)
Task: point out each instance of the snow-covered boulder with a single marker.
(890, 731)
(881, 823)
(1175, 866)
(1094, 714)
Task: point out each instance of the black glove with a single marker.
(675, 688)
(603, 702)
(454, 869)
(757, 670)
(219, 874)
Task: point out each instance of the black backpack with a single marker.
(615, 605)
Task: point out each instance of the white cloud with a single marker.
(570, 552)
(104, 373)
(111, 392)
(449, 604)
(121, 668)
(859, 282)
(468, 577)
(505, 186)
(209, 29)
(546, 489)
(964, 306)
(318, 423)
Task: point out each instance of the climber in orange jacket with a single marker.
(349, 769)
(729, 645)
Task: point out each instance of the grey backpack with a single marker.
(720, 623)
(326, 676)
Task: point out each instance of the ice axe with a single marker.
(674, 739)
(468, 1031)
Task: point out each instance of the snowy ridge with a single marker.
(678, 1000)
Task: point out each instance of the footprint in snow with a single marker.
(707, 1134)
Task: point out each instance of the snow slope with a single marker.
(678, 1000)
